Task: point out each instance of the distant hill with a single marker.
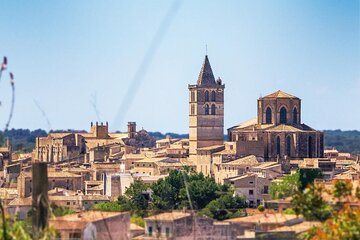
(24, 139)
(343, 141)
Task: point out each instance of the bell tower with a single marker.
(206, 110)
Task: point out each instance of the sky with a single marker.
(80, 61)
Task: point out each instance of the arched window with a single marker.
(295, 116)
(206, 109)
(288, 146)
(268, 116)
(278, 147)
(213, 109)
(192, 109)
(310, 147)
(283, 116)
(213, 96)
(192, 96)
(206, 96)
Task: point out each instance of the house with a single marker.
(186, 225)
(253, 187)
(93, 225)
(237, 167)
(56, 179)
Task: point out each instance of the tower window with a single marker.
(288, 146)
(283, 115)
(206, 96)
(310, 147)
(192, 109)
(278, 147)
(295, 116)
(213, 109)
(206, 109)
(268, 116)
(192, 98)
(213, 96)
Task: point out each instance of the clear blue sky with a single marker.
(63, 52)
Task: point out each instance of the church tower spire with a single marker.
(206, 76)
(206, 115)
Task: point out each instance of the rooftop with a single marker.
(246, 161)
(276, 218)
(80, 220)
(168, 216)
(279, 94)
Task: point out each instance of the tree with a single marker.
(60, 211)
(311, 204)
(202, 190)
(136, 198)
(166, 192)
(342, 189)
(224, 207)
(307, 176)
(343, 225)
(110, 207)
(285, 188)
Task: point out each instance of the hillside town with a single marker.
(89, 171)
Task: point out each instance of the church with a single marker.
(276, 133)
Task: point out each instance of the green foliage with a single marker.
(109, 207)
(22, 140)
(225, 207)
(311, 204)
(20, 230)
(342, 189)
(285, 188)
(289, 211)
(343, 141)
(166, 192)
(138, 220)
(61, 211)
(307, 176)
(202, 190)
(261, 208)
(357, 192)
(135, 198)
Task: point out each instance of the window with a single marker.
(251, 192)
(213, 96)
(213, 109)
(67, 203)
(251, 182)
(206, 109)
(268, 116)
(192, 109)
(167, 230)
(266, 189)
(283, 115)
(206, 96)
(192, 98)
(295, 116)
(150, 230)
(278, 146)
(232, 182)
(288, 146)
(310, 147)
(75, 235)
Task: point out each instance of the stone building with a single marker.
(185, 225)
(93, 225)
(64, 180)
(206, 115)
(277, 132)
(5, 153)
